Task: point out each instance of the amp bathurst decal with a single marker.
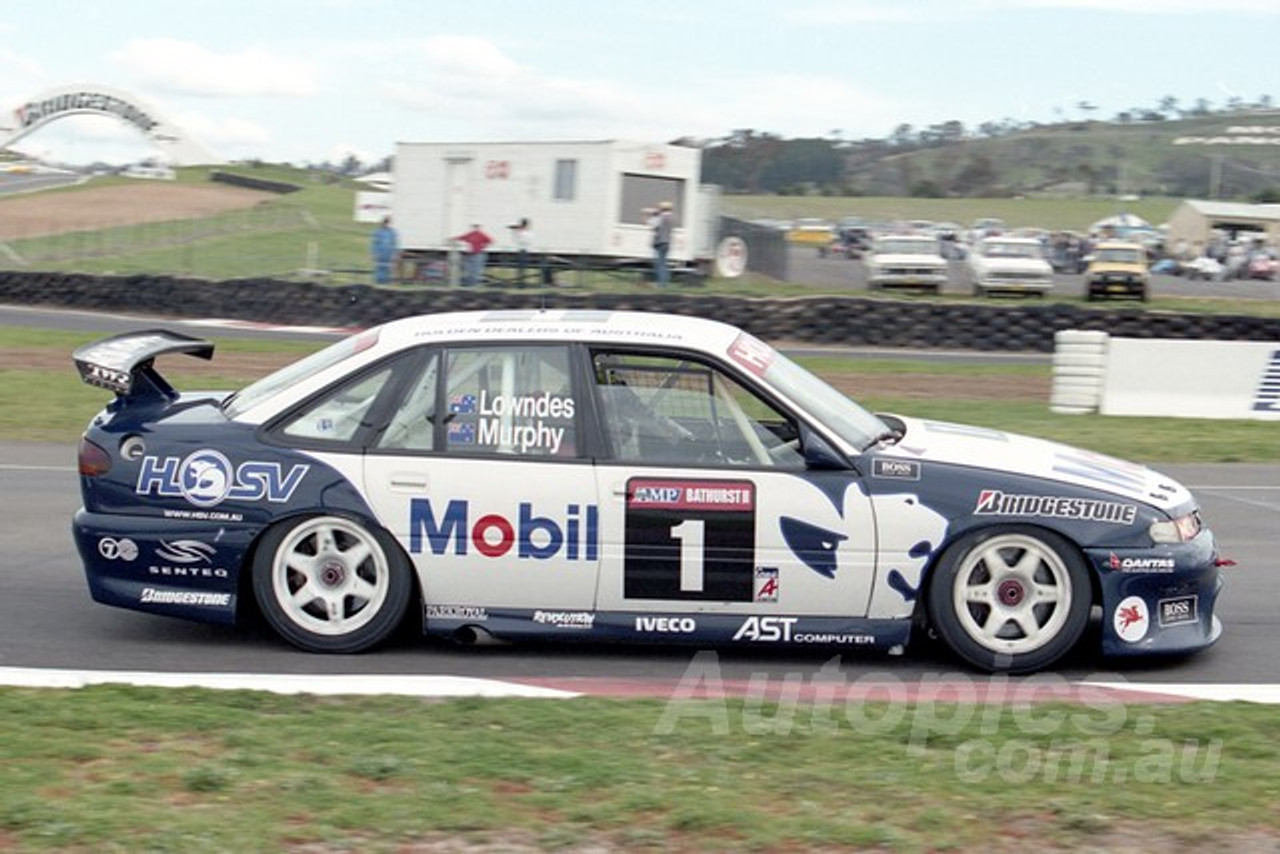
(690, 540)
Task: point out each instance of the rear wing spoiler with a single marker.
(125, 363)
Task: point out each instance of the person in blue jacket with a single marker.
(385, 248)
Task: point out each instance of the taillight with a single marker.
(94, 462)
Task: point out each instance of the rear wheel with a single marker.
(331, 584)
(1010, 598)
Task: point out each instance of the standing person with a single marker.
(663, 222)
(385, 249)
(473, 263)
(522, 234)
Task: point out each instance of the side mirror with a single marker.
(818, 453)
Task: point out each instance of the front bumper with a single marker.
(1159, 601)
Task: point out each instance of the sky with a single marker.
(313, 81)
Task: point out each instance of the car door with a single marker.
(480, 473)
(707, 506)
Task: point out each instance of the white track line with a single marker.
(412, 686)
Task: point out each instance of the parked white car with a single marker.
(1013, 265)
(906, 261)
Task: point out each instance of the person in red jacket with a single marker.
(477, 242)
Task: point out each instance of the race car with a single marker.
(614, 476)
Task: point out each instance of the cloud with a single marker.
(828, 13)
(182, 67)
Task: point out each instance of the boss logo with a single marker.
(1181, 609)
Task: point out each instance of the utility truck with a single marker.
(588, 204)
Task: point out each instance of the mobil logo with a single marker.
(572, 535)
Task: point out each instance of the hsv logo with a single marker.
(1131, 619)
(573, 536)
(206, 478)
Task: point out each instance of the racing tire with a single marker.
(331, 584)
(1010, 598)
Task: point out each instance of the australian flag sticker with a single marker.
(462, 404)
(463, 433)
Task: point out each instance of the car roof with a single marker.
(586, 325)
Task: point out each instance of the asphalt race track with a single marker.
(49, 623)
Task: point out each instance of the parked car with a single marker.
(1117, 269)
(911, 261)
(614, 476)
(1009, 265)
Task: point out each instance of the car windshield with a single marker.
(831, 409)
(290, 375)
(1122, 256)
(1001, 249)
(906, 246)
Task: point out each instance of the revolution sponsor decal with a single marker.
(572, 535)
(565, 619)
(206, 478)
(993, 502)
(690, 539)
(1131, 619)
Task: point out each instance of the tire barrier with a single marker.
(835, 320)
(1079, 365)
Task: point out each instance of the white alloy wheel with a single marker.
(330, 584)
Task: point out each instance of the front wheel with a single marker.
(1012, 598)
(331, 584)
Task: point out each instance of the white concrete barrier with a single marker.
(1192, 379)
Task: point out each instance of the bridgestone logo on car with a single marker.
(152, 596)
(993, 502)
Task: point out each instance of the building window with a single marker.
(566, 189)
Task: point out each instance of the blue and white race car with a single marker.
(611, 476)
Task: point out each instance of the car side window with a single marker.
(673, 410)
(510, 400)
(412, 426)
(338, 415)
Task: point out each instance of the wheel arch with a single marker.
(956, 538)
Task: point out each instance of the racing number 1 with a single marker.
(689, 539)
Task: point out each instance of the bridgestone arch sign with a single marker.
(178, 149)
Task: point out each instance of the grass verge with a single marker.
(113, 768)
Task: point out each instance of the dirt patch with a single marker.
(94, 208)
